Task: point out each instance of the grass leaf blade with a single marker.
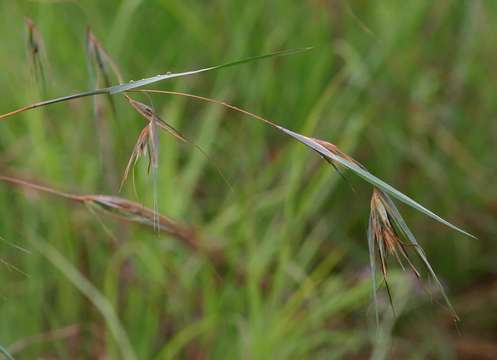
(143, 82)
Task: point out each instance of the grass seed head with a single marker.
(336, 150)
(139, 150)
(386, 234)
(390, 234)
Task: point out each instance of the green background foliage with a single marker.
(405, 87)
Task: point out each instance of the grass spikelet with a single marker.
(151, 116)
(152, 137)
(388, 232)
(129, 211)
(139, 150)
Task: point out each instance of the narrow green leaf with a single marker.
(143, 82)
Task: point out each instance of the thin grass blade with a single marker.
(144, 82)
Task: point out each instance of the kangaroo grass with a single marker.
(386, 225)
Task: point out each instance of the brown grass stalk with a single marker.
(129, 211)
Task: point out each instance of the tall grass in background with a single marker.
(293, 235)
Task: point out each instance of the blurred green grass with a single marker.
(407, 88)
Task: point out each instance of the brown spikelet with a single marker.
(335, 150)
(129, 211)
(385, 232)
(389, 232)
(151, 116)
(155, 122)
(139, 150)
